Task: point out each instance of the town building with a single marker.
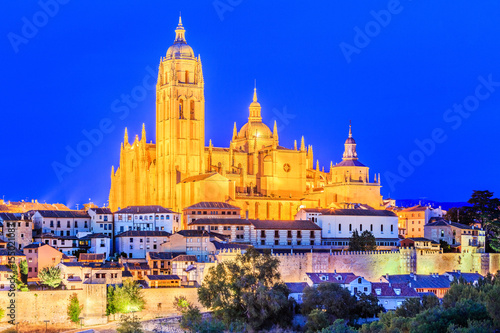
(16, 227)
(210, 210)
(337, 226)
(392, 295)
(136, 269)
(266, 180)
(196, 243)
(96, 243)
(135, 243)
(74, 274)
(101, 221)
(61, 222)
(284, 234)
(421, 244)
(236, 229)
(40, 256)
(461, 237)
(161, 262)
(296, 290)
(411, 220)
(355, 284)
(5, 274)
(91, 257)
(146, 218)
(163, 281)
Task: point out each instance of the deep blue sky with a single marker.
(396, 89)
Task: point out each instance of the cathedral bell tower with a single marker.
(180, 118)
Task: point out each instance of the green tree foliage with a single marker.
(336, 301)
(248, 289)
(364, 242)
(411, 307)
(74, 308)
(317, 320)
(15, 272)
(23, 266)
(445, 246)
(367, 306)
(129, 324)
(125, 299)
(338, 326)
(50, 276)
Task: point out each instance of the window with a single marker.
(276, 234)
(312, 235)
(350, 227)
(276, 242)
(131, 240)
(382, 228)
(360, 227)
(262, 234)
(76, 224)
(299, 234)
(289, 234)
(371, 227)
(359, 280)
(340, 227)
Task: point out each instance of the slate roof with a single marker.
(95, 235)
(36, 245)
(296, 287)
(417, 208)
(468, 277)
(127, 273)
(349, 163)
(163, 277)
(91, 256)
(101, 210)
(144, 210)
(200, 233)
(10, 216)
(359, 212)
(198, 178)
(438, 223)
(461, 226)
(143, 233)
(212, 205)
(6, 252)
(164, 255)
(184, 257)
(387, 290)
(233, 221)
(4, 268)
(285, 225)
(52, 236)
(219, 245)
(421, 281)
(341, 278)
(137, 266)
(421, 239)
(97, 265)
(64, 213)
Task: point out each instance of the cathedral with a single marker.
(255, 173)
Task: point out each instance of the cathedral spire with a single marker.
(302, 144)
(143, 135)
(350, 147)
(180, 33)
(255, 108)
(294, 144)
(275, 131)
(125, 137)
(235, 131)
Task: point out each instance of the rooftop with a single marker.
(212, 205)
(101, 210)
(163, 277)
(144, 233)
(64, 213)
(341, 278)
(285, 225)
(238, 221)
(144, 210)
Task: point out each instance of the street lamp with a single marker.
(46, 322)
(81, 321)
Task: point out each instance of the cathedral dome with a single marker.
(252, 129)
(180, 51)
(350, 141)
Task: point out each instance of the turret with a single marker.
(235, 131)
(143, 134)
(302, 144)
(125, 138)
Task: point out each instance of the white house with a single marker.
(61, 222)
(101, 221)
(391, 296)
(135, 243)
(146, 218)
(355, 284)
(337, 226)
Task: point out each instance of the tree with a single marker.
(336, 301)
(74, 308)
(317, 320)
(445, 246)
(23, 267)
(338, 326)
(50, 276)
(364, 242)
(129, 325)
(125, 299)
(248, 289)
(367, 305)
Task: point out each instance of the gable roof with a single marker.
(11, 217)
(468, 277)
(417, 208)
(212, 205)
(388, 290)
(163, 277)
(185, 257)
(421, 281)
(104, 210)
(296, 287)
(341, 278)
(91, 256)
(359, 212)
(285, 225)
(144, 210)
(64, 213)
(233, 221)
(220, 246)
(143, 233)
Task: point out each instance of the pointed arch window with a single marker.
(191, 110)
(181, 109)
